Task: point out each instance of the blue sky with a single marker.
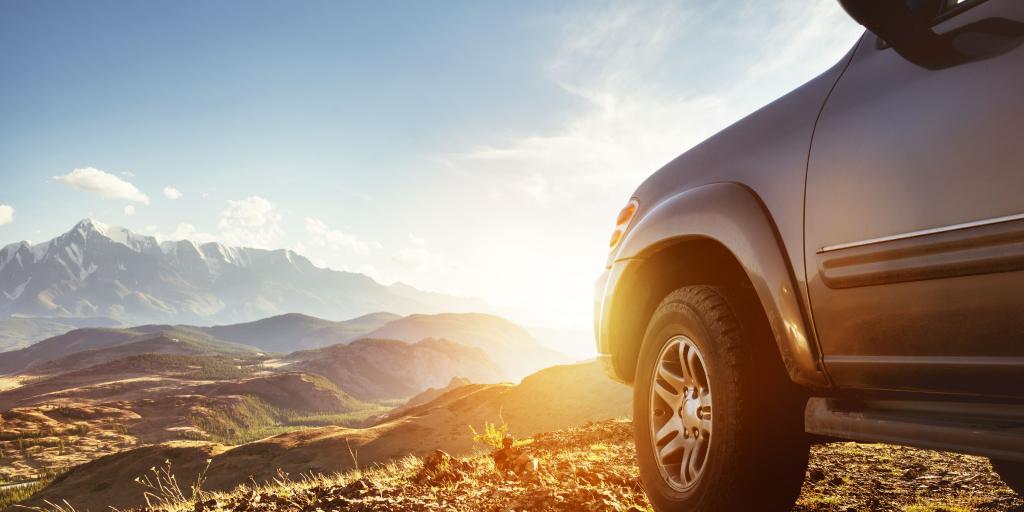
(480, 148)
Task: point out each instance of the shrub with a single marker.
(492, 435)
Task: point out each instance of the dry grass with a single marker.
(593, 467)
(9, 383)
(568, 479)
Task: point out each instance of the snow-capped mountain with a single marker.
(96, 270)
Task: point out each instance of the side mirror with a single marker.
(906, 26)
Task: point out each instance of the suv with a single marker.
(845, 263)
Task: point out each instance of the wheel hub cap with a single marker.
(680, 413)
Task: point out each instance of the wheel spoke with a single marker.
(693, 367)
(695, 459)
(670, 398)
(675, 445)
(672, 426)
(686, 473)
(677, 382)
(684, 352)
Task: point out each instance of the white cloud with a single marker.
(129, 210)
(103, 184)
(6, 214)
(186, 231)
(127, 174)
(251, 222)
(632, 120)
(182, 231)
(172, 193)
(322, 235)
(416, 239)
(417, 259)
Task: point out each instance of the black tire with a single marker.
(1012, 474)
(757, 451)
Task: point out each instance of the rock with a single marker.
(202, 506)
(436, 459)
(816, 475)
(358, 487)
(511, 459)
(440, 467)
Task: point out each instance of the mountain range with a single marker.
(295, 331)
(485, 348)
(96, 270)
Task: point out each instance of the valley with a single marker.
(555, 398)
(94, 393)
(115, 346)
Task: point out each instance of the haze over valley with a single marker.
(113, 341)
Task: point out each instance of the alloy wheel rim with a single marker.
(680, 413)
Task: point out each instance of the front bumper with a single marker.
(605, 297)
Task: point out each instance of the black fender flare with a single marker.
(733, 215)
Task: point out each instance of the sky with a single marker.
(475, 148)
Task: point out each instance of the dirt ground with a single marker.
(594, 468)
(877, 477)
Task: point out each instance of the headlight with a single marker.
(622, 222)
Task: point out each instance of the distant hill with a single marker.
(293, 331)
(86, 347)
(374, 369)
(19, 332)
(156, 364)
(552, 399)
(292, 391)
(427, 396)
(505, 350)
(107, 271)
(510, 345)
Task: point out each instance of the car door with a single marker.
(914, 218)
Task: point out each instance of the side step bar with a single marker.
(988, 430)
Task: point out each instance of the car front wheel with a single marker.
(717, 424)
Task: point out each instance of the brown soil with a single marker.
(593, 467)
(878, 477)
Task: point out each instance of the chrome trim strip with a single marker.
(948, 361)
(923, 232)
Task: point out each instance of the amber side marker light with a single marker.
(621, 222)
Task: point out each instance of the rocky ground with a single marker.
(850, 476)
(593, 468)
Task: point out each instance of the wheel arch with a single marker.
(718, 234)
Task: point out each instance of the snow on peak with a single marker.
(87, 226)
(9, 251)
(124, 236)
(181, 248)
